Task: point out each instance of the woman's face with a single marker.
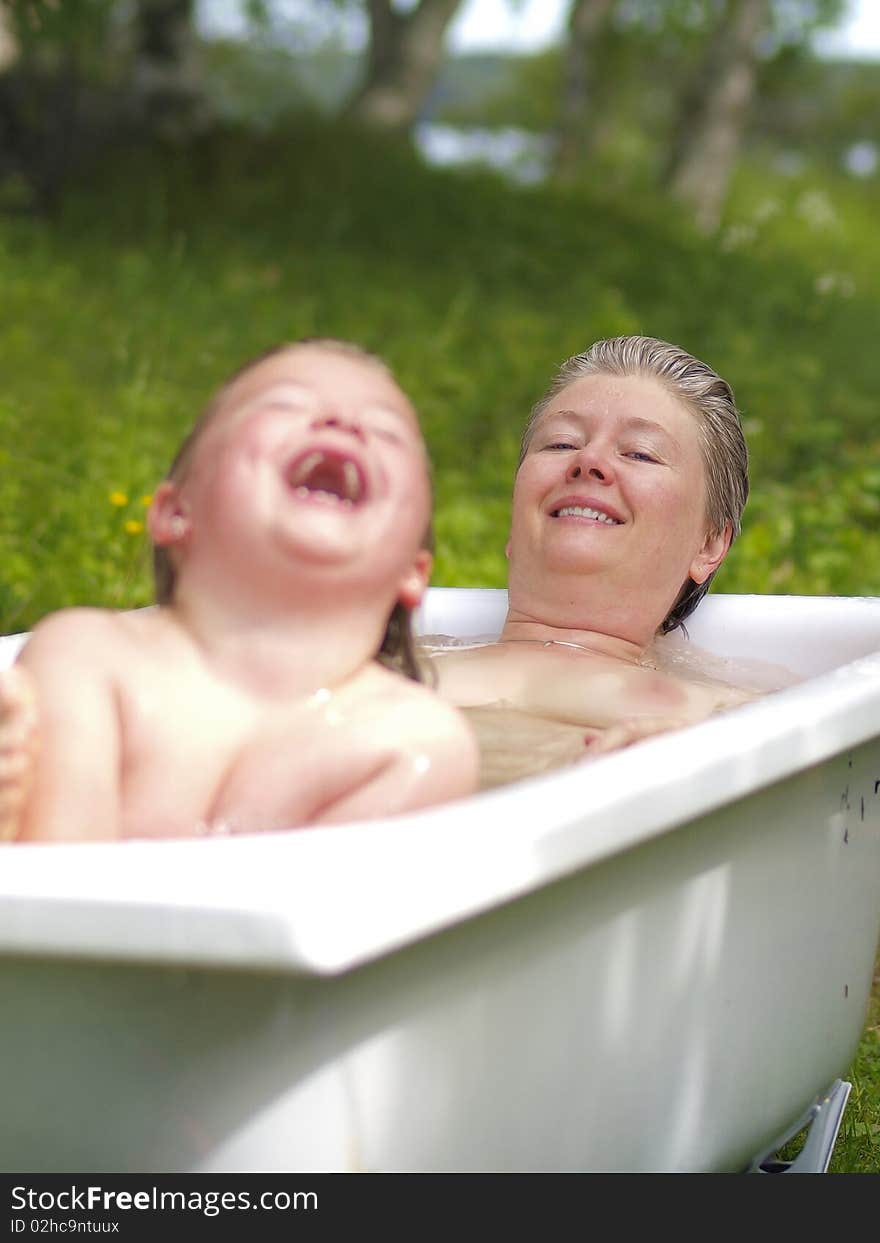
(612, 490)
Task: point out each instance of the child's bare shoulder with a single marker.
(78, 638)
(417, 715)
(72, 630)
(81, 625)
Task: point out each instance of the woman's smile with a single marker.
(586, 508)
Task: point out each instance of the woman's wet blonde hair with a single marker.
(711, 401)
(397, 650)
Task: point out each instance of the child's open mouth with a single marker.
(328, 475)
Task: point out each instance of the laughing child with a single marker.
(268, 689)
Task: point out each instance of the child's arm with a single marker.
(425, 753)
(74, 792)
(18, 741)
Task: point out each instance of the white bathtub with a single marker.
(657, 961)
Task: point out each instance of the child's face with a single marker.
(314, 458)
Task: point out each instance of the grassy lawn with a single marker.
(858, 1144)
(169, 269)
(164, 271)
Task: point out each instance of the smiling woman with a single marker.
(630, 487)
(654, 388)
(289, 533)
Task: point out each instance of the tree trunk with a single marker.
(404, 56)
(714, 114)
(585, 24)
(40, 113)
(166, 77)
(8, 43)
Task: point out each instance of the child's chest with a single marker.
(202, 758)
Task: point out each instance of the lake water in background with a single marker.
(519, 154)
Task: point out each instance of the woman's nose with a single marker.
(590, 464)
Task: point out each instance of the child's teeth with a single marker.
(352, 482)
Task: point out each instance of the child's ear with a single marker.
(168, 516)
(415, 580)
(711, 555)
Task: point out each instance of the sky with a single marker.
(495, 23)
(533, 24)
(860, 35)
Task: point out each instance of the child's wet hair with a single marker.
(397, 650)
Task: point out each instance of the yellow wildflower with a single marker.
(133, 526)
(118, 499)
(147, 500)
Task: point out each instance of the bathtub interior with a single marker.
(468, 987)
(807, 635)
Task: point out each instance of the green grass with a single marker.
(167, 268)
(858, 1144)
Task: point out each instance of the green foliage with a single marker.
(806, 108)
(49, 31)
(261, 82)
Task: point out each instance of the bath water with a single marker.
(515, 744)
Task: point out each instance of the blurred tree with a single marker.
(585, 24)
(714, 110)
(820, 111)
(77, 75)
(166, 70)
(404, 55)
(625, 119)
(717, 100)
(53, 50)
(8, 41)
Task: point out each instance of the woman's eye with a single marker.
(641, 456)
(560, 444)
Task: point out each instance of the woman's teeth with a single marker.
(582, 511)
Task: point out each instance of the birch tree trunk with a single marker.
(166, 73)
(404, 57)
(585, 23)
(714, 114)
(8, 42)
